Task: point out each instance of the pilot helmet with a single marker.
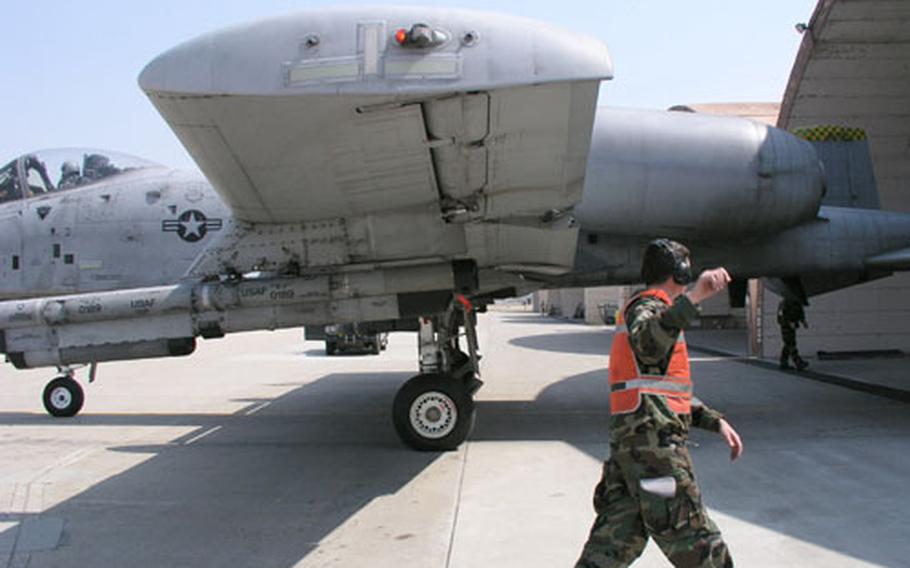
(69, 169)
(95, 162)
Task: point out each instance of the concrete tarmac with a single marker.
(260, 451)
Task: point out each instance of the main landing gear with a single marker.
(63, 397)
(434, 411)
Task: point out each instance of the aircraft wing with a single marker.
(389, 117)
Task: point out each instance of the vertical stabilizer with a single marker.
(849, 177)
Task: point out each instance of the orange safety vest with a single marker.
(627, 382)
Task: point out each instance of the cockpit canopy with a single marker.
(49, 171)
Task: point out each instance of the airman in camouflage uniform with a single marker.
(648, 486)
(790, 314)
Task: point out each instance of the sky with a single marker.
(70, 68)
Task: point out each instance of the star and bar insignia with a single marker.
(191, 225)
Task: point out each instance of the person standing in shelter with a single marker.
(790, 314)
(648, 487)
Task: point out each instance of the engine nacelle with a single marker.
(682, 174)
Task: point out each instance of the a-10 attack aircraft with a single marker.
(402, 166)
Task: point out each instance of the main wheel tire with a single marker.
(63, 397)
(330, 348)
(375, 348)
(433, 413)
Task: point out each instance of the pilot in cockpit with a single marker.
(96, 167)
(69, 176)
(9, 183)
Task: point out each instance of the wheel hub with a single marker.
(61, 398)
(433, 415)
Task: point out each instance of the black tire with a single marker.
(330, 347)
(375, 348)
(443, 413)
(63, 397)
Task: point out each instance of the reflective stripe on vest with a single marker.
(627, 382)
(655, 383)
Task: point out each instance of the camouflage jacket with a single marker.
(790, 312)
(653, 330)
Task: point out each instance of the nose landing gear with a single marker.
(63, 397)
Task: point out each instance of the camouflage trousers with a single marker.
(650, 491)
(789, 350)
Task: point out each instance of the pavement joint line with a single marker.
(67, 460)
(8, 561)
(844, 382)
(458, 495)
(257, 408)
(198, 437)
(15, 558)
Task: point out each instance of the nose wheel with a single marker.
(63, 397)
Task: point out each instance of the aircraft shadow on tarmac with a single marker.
(262, 490)
(822, 464)
(568, 342)
(526, 318)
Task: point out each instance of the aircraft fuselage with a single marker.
(139, 228)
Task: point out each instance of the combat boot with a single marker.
(801, 364)
(784, 360)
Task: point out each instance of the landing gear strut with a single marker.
(434, 411)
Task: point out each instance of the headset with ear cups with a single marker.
(682, 267)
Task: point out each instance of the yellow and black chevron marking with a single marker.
(830, 133)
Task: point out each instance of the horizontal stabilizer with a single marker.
(894, 260)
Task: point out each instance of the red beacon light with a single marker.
(420, 36)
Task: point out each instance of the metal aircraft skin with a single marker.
(391, 165)
(139, 224)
